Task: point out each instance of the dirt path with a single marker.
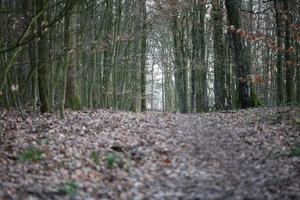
(117, 155)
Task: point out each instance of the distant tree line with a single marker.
(205, 54)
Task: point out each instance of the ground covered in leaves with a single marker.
(102, 154)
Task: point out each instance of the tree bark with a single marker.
(219, 61)
(243, 64)
(279, 56)
(199, 70)
(143, 54)
(289, 58)
(43, 55)
(107, 54)
(180, 65)
(72, 97)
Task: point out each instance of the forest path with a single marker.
(102, 154)
(223, 156)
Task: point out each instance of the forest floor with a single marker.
(103, 154)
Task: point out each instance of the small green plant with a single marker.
(32, 154)
(297, 121)
(110, 159)
(295, 151)
(95, 158)
(69, 188)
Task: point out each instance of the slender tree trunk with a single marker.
(32, 53)
(43, 55)
(298, 61)
(289, 60)
(143, 54)
(219, 62)
(279, 60)
(298, 73)
(93, 61)
(72, 97)
(67, 44)
(117, 52)
(195, 53)
(152, 86)
(199, 71)
(107, 54)
(69, 96)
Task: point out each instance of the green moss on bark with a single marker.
(2, 101)
(74, 103)
(255, 102)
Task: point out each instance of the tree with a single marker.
(176, 54)
(219, 56)
(43, 54)
(178, 32)
(289, 58)
(278, 5)
(72, 97)
(199, 69)
(243, 64)
(143, 11)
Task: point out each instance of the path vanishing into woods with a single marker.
(103, 154)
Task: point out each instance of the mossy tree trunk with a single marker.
(69, 97)
(43, 55)
(72, 97)
(143, 11)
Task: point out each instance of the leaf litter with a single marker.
(104, 154)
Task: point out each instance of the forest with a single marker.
(176, 56)
(149, 99)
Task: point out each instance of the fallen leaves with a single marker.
(101, 154)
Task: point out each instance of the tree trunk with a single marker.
(143, 54)
(243, 64)
(72, 97)
(298, 72)
(279, 60)
(199, 70)
(180, 65)
(219, 61)
(289, 60)
(43, 55)
(69, 95)
(107, 54)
